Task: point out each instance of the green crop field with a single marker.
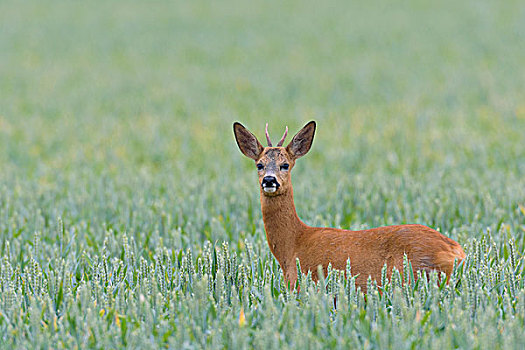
(129, 218)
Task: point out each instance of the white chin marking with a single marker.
(269, 189)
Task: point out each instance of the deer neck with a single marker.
(282, 225)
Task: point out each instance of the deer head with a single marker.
(274, 164)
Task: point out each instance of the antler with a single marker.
(268, 136)
(282, 139)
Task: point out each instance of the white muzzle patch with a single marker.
(269, 189)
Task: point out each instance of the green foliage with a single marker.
(178, 300)
(128, 218)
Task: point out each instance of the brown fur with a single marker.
(368, 250)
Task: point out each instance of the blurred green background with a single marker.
(119, 115)
(117, 161)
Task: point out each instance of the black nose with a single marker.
(270, 181)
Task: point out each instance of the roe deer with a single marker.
(368, 250)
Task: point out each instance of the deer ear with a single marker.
(247, 142)
(302, 141)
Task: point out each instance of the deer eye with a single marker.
(260, 166)
(285, 166)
